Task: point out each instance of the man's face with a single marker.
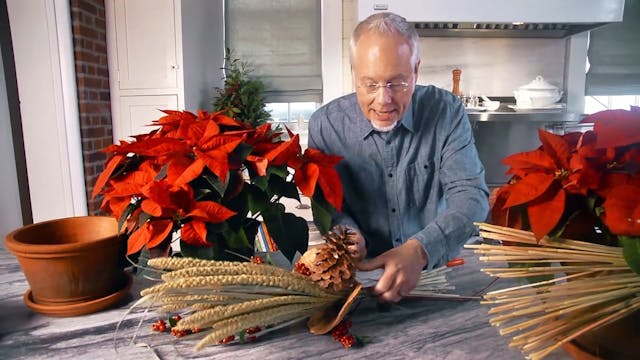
(383, 60)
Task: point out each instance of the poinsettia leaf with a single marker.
(162, 173)
(280, 171)
(322, 212)
(615, 128)
(280, 187)
(306, 178)
(631, 251)
(622, 210)
(151, 207)
(533, 279)
(289, 232)
(191, 172)
(195, 233)
(201, 252)
(217, 185)
(257, 199)
(546, 211)
(329, 182)
(536, 159)
(126, 213)
(109, 167)
(528, 188)
(556, 147)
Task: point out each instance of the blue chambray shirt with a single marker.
(421, 180)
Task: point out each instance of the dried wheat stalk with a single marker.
(592, 286)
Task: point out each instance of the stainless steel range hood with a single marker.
(500, 18)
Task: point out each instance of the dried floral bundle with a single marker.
(221, 302)
(589, 285)
(230, 297)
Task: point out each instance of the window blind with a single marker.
(281, 41)
(614, 55)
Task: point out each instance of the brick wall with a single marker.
(92, 77)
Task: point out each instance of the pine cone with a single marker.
(330, 264)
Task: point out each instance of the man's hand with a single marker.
(402, 267)
(357, 246)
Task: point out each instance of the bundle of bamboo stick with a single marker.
(590, 285)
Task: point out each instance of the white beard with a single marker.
(385, 128)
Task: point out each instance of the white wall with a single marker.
(43, 52)
(10, 211)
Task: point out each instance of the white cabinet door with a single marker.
(146, 44)
(137, 113)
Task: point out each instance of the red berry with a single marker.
(228, 339)
(347, 340)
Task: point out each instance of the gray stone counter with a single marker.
(412, 329)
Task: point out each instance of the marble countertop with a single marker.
(411, 329)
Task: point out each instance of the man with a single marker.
(412, 178)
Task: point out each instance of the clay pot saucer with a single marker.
(82, 308)
(74, 263)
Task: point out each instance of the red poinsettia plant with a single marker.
(580, 185)
(212, 179)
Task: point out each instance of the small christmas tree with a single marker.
(241, 97)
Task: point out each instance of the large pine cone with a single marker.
(330, 264)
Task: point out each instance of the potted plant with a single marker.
(213, 179)
(583, 186)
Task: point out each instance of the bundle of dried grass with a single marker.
(592, 286)
(229, 297)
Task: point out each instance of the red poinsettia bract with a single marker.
(175, 177)
(597, 168)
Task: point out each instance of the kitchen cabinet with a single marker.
(163, 54)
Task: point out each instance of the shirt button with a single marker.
(388, 142)
(398, 241)
(393, 210)
(390, 175)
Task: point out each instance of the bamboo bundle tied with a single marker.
(586, 286)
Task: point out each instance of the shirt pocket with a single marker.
(419, 181)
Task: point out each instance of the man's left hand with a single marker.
(402, 267)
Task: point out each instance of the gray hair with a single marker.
(386, 23)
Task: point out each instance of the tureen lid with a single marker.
(538, 84)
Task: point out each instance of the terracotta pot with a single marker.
(618, 340)
(70, 262)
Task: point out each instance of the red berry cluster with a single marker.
(301, 268)
(257, 260)
(253, 330)
(161, 326)
(341, 333)
(228, 339)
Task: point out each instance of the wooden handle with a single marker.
(456, 81)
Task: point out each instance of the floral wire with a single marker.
(482, 291)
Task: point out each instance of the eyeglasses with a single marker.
(395, 88)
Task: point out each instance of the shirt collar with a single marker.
(365, 128)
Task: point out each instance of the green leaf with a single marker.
(322, 213)
(260, 181)
(281, 171)
(280, 187)
(126, 213)
(215, 182)
(257, 199)
(289, 232)
(631, 251)
(162, 173)
(200, 252)
(533, 279)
